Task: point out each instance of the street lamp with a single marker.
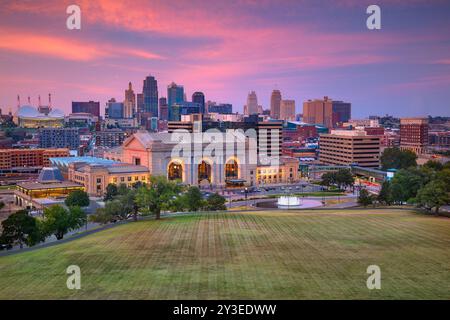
(246, 196)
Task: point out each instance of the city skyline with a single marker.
(402, 69)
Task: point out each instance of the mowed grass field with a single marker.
(245, 255)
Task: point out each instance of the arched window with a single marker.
(204, 172)
(231, 170)
(175, 171)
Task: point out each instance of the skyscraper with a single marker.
(175, 96)
(252, 103)
(163, 109)
(150, 95)
(129, 103)
(287, 110)
(114, 109)
(275, 101)
(326, 112)
(199, 97)
(140, 103)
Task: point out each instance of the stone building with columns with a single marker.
(205, 159)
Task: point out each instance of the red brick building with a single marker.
(20, 158)
(414, 134)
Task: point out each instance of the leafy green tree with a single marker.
(111, 192)
(394, 158)
(406, 183)
(59, 221)
(77, 198)
(385, 195)
(328, 179)
(193, 199)
(123, 189)
(434, 165)
(20, 228)
(344, 178)
(444, 177)
(157, 196)
(215, 202)
(101, 216)
(433, 195)
(365, 198)
(2, 205)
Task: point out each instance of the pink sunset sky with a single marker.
(306, 49)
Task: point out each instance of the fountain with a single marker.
(293, 202)
(289, 202)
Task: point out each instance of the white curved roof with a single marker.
(27, 111)
(56, 113)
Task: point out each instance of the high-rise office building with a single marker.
(150, 95)
(287, 110)
(175, 96)
(414, 134)
(199, 98)
(114, 109)
(275, 102)
(140, 103)
(252, 104)
(92, 107)
(326, 112)
(346, 147)
(129, 104)
(163, 109)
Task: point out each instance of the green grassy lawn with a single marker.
(252, 255)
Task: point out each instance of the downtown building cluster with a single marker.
(131, 141)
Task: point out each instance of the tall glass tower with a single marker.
(199, 98)
(150, 94)
(175, 95)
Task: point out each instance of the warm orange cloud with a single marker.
(30, 43)
(65, 48)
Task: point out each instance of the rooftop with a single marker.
(53, 185)
(65, 161)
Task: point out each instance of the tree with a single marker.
(344, 178)
(215, 202)
(444, 177)
(433, 195)
(434, 165)
(385, 195)
(101, 216)
(407, 182)
(394, 158)
(111, 192)
(365, 198)
(20, 228)
(123, 189)
(193, 199)
(157, 196)
(77, 198)
(2, 205)
(328, 179)
(59, 221)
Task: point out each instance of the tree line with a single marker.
(426, 186)
(159, 195)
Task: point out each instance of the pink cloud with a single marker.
(64, 48)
